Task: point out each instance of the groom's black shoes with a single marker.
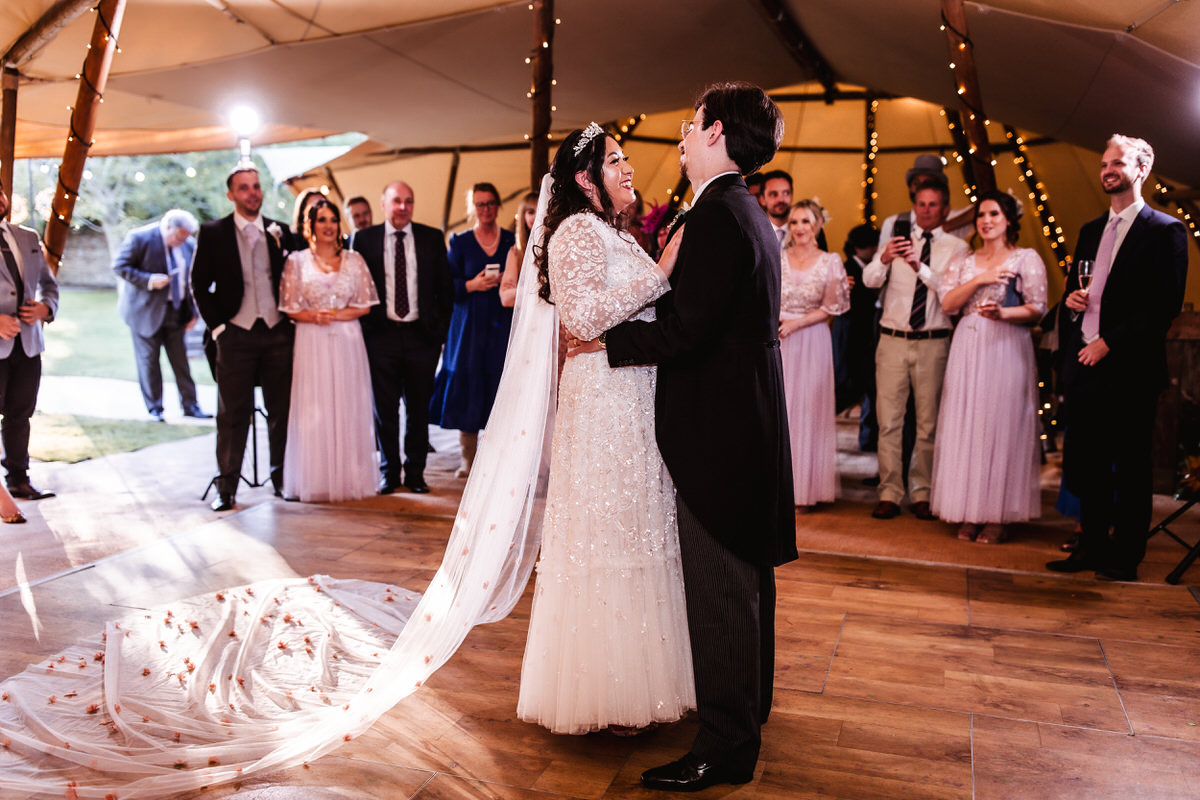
(415, 483)
(690, 774)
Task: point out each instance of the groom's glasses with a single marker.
(687, 127)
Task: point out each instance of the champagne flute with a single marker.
(1084, 268)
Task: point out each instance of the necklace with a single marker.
(493, 240)
(333, 264)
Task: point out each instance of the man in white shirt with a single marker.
(155, 300)
(235, 279)
(28, 298)
(776, 200)
(405, 332)
(1114, 362)
(913, 345)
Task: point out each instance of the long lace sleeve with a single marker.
(364, 286)
(837, 292)
(291, 295)
(578, 260)
(1032, 273)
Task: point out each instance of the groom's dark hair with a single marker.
(752, 123)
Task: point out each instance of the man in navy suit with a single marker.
(405, 332)
(235, 279)
(1114, 362)
(28, 298)
(719, 400)
(155, 300)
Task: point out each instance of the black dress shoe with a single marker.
(1076, 562)
(886, 509)
(157, 415)
(389, 484)
(27, 491)
(197, 412)
(416, 484)
(224, 502)
(690, 774)
(922, 510)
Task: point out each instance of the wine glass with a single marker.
(1085, 268)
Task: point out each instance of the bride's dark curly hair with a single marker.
(566, 198)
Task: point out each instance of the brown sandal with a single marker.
(967, 532)
(16, 518)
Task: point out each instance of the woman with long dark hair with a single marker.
(608, 641)
(985, 460)
(331, 442)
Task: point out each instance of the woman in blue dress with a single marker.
(465, 386)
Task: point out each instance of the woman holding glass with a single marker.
(330, 452)
(986, 459)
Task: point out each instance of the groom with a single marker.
(720, 391)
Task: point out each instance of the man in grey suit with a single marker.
(28, 297)
(155, 300)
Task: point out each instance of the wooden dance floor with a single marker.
(897, 676)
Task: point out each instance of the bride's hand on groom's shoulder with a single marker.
(666, 262)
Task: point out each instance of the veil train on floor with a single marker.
(261, 677)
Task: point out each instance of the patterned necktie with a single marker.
(13, 269)
(916, 317)
(1090, 326)
(401, 273)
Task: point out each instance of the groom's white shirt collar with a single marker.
(241, 222)
(700, 189)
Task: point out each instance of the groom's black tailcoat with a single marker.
(722, 429)
(720, 415)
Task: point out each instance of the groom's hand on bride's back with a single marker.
(577, 347)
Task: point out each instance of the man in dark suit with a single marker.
(155, 300)
(405, 332)
(28, 298)
(235, 278)
(1114, 362)
(720, 393)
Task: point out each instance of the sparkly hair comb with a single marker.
(590, 132)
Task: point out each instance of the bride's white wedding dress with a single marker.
(608, 638)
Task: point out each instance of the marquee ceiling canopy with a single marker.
(425, 73)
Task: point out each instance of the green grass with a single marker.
(89, 339)
(67, 437)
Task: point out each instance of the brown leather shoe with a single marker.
(886, 509)
(922, 511)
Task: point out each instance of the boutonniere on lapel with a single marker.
(276, 233)
(677, 220)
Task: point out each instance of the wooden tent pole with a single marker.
(448, 206)
(92, 80)
(8, 129)
(962, 60)
(57, 17)
(870, 169)
(542, 62)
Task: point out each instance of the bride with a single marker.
(257, 678)
(608, 640)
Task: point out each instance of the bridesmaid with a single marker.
(814, 289)
(465, 386)
(986, 464)
(331, 439)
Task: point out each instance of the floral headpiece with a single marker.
(590, 132)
